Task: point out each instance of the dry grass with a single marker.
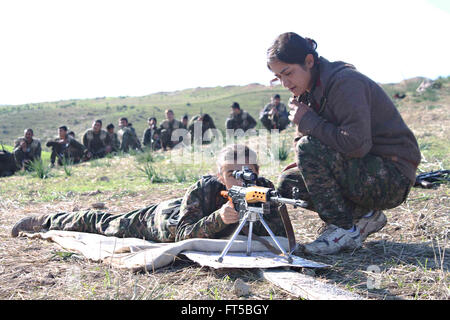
(411, 252)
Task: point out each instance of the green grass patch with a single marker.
(435, 150)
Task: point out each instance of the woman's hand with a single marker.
(228, 214)
(297, 110)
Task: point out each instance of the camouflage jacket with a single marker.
(129, 139)
(170, 126)
(207, 123)
(69, 147)
(114, 140)
(33, 151)
(242, 121)
(196, 215)
(96, 143)
(281, 108)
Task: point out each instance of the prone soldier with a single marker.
(202, 213)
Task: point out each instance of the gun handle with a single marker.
(226, 196)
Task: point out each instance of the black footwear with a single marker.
(30, 224)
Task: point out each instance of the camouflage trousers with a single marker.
(155, 223)
(341, 189)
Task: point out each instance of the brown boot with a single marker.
(30, 224)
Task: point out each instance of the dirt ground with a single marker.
(410, 258)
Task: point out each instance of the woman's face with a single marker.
(294, 77)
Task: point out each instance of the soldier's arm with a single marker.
(146, 137)
(283, 110)
(108, 141)
(85, 141)
(38, 150)
(195, 221)
(251, 121)
(76, 144)
(265, 111)
(17, 144)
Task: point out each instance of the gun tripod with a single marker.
(252, 215)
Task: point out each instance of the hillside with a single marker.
(78, 115)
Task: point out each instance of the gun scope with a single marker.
(246, 174)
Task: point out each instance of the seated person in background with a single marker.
(27, 149)
(184, 121)
(151, 135)
(127, 136)
(239, 119)
(201, 213)
(113, 138)
(65, 147)
(168, 126)
(275, 114)
(206, 123)
(97, 142)
(7, 163)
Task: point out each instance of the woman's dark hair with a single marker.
(109, 126)
(290, 48)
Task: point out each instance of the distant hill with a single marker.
(78, 114)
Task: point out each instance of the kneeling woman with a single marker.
(201, 213)
(355, 154)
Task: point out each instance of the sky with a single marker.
(54, 50)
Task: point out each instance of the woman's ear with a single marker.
(309, 61)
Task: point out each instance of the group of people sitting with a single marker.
(97, 142)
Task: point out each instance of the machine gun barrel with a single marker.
(294, 202)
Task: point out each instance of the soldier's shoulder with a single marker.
(207, 182)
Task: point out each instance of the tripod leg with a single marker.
(288, 256)
(249, 239)
(230, 242)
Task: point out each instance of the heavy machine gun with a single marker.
(252, 202)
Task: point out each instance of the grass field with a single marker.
(411, 252)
